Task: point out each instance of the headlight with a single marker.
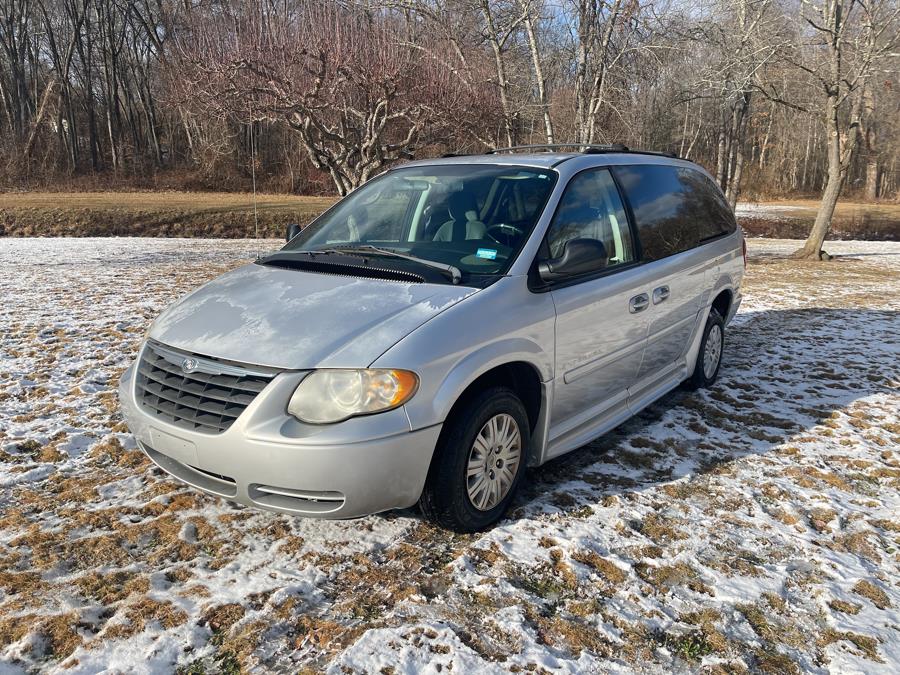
(328, 396)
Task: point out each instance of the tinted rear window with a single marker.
(675, 208)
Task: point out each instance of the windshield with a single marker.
(473, 217)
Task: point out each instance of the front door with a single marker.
(601, 324)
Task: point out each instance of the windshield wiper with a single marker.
(451, 270)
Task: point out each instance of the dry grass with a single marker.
(868, 646)
(845, 607)
(113, 587)
(154, 214)
(137, 615)
(872, 593)
(606, 569)
(792, 218)
(810, 206)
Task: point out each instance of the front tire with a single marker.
(479, 462)
(709, 358)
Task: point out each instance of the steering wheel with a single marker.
(504, 230)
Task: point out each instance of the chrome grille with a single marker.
(208, 399)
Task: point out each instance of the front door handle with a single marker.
(639, 303)
(660, 294)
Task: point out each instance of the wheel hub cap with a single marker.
(713, 351)
(493, 461)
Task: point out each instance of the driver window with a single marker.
(591, 208)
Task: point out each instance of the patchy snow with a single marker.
(754, 525)
(742, 209)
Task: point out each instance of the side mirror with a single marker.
(579, 256)
(292, 231)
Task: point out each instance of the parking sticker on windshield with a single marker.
(486, 253)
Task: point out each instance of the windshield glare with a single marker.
(471, 216)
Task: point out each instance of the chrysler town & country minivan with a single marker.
(442, 328)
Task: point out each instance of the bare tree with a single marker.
(501, 23)
(738, 40)
(357, 98)
(336, 90)
(531, 18)
(852, 37)
(596, 21)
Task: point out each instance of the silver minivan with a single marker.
(439, 330)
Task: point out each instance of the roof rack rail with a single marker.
(588, 148)
(585, 148)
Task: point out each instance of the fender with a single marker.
(504, 323)
(473, 366)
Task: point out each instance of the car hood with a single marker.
(294, 320)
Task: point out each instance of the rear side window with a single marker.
(675, 208)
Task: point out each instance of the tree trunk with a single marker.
(734, 189)
(690, 148)
(502, 78)
(538, 71)
(721, 152)
(872, 176)
(38, 120)
(812, 249)
(765, 142)
(584, 45)
(601, 55)
(840, 156)
(871, 137)
(684, 130)
(809, 134)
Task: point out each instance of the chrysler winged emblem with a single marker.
(189, 365)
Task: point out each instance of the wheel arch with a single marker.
(720, 298)
(722, 302)
(519, 376)
(522, 372)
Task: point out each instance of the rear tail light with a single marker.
(744, 250)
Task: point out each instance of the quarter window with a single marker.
(675, 208)
(591, 208)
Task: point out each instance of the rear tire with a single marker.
(479, 462)
(709, 358)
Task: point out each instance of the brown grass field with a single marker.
(161, 214)
(230, 215)
(792, 218)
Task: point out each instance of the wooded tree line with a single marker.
(774, 97)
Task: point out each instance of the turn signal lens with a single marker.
(329, 396)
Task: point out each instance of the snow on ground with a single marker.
(755, 208)
(752, 526)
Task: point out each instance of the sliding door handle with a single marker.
(660, 294)
(639, 303)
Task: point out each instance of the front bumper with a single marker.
(269, 460)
